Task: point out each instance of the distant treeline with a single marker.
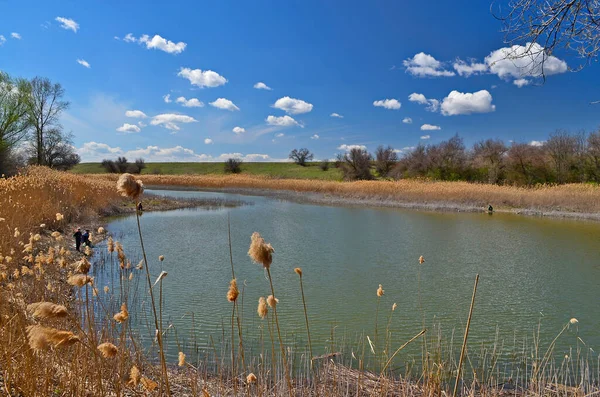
(122, 165)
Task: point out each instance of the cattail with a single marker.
(260, 251)
(181, 362)
(233, 292)
(298, 271)
(394, 306)
(272, 301)
(161, 258)
(83, 266)
(380, 291)
(106, 289)
(47, 310)
(140, 265)
(128, 186)
(108, 350)
(88, 251)
(101, 230)
(262, 308)
(110, 245)
(251, 378)
(55, 234)
(59, 216)
(130, 276)
(421, 260)
(123, 315)
(573, 321)
(17, 233)
(79, 280)
(41, 337)
(148, 384)
(134, 376)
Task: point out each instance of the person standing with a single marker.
(78, 236)
(85, 238)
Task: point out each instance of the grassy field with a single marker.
(275, 170)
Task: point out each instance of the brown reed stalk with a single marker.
(464, 345)
(299, 273)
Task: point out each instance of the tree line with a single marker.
(30, 128)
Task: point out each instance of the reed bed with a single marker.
(578, 198)
(68, 330)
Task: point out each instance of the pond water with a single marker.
(532, 270)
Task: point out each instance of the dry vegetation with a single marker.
(63, 335)
(580, 198)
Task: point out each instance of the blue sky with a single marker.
(359, 60)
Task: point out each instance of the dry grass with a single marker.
(584, 198)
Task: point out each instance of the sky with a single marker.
(205, 81)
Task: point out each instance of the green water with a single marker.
(531, 270)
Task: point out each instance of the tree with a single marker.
(490, 154)
(324, 165)
(561, 148)
(526, 165)
(14, 122)
(57, 152)
(413, 165)
(233, 166)
(44, 108)
(385, 159)
(301, 156)
(356, 164)
(138, 166)
(593, 152)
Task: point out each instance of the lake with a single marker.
(532, 270)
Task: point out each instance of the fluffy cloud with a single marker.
(190, 103)
(521, 82)
(67, 23)
(129, 38)
(432, 104)
(262, 86)
(524, 61)
(15, 35)
(208, 141)
(315, 136)
(292, 105)
(238, 130)
(138, 114)
(129, 128)
(224, 104)
(199, 78)
(429, 127)
(336, 115)
(467, 69)
(418, 98)
(347, 148)
(391, 104)
(425, 137)
(283, 121)
(84, 63)
(424, 65)
(170, 120)
(407, 120)
(2, 39)
(159, 43)
(167, 98)
(537, 143)
(457, 103)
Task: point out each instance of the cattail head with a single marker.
(161, 258)
(148, 384)
(260, 251)
(181, 362)
(79, 280)
(233, 292)
(272, 301)
(262, 308)
(101, 230)
(123, 315)
(83, 266)
(394, 306)
(47, 310)
(251, 378)
(140, 265)
(55, 234)
(298, 271)
(380, 291)
(59, 216)
(108, 350)
(128, 186)
(134, 376)
(110, 245)
(421, 260)
(88, 251)
(573, 321)
(40, 337)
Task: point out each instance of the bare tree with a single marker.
(385, 159)
(356, 164)
(45, 106)
(593, 151)
(57, 152)
(561, 148)
(525, 164)
(301, 156)
(490, 153)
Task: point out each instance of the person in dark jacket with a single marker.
(78, 236)
(85, 238)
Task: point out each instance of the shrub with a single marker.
(233, 166)
(356, 164)
(324, 165)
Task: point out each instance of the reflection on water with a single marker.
(530, 270)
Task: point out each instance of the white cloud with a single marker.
(280, 135)
(167, 98)
(83, 62)
(432, 104)
(292, 105)
(15, 35)
(339, 116)
(208, 141)
(202, 79)
(457, 103)
(190, 103)
(2, 39)
(129, 38)
(315, 136)
(138, 114)
(283, 121)
(391, 104)
(224, 104)
(68, 24)
(537, 143)
(425, 137)
(238, 130)
(467, 69)
(262, 86)
(524, 61)
(141, 124)
(347, 148)
(521, 82)
(159, 43)
(424, 65)
(407, 120)
(429, 127)
(418, 98)
(170, 120)
(129, 128)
